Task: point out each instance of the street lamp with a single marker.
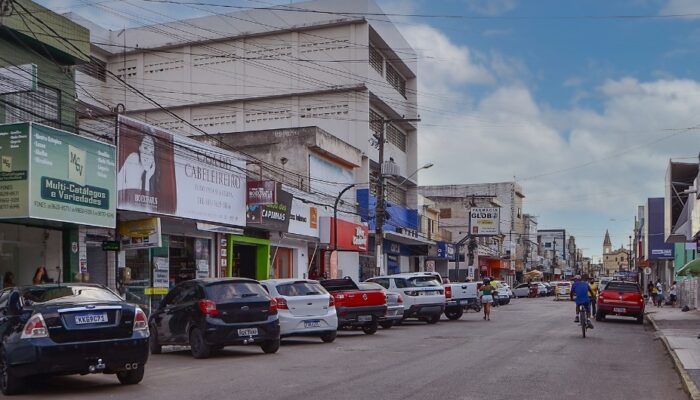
(335, 214)
(426, 166)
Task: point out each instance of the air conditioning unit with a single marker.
(390, 168)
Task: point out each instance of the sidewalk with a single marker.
(679, 332)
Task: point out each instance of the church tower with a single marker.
(607, 244)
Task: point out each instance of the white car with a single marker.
(504, 293)
(423, 294)
(561, 290)
(304, 307)
(522, 290)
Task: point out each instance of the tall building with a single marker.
(614, 260)
(607, 244)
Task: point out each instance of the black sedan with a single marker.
(64, 329)
(208, 314)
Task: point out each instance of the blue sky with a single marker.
(584, 112)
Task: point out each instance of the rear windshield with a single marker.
(68, 294)
(300, 289)
(622, 287)
(370, 286)
(337, 285)
(423, 281)
(221, 292)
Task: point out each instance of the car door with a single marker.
(183, 311)
(161, 317)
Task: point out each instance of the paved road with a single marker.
(531, 349)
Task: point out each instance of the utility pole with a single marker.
(380, 209)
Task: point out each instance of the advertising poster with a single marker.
(165, 173)
(273, 217)
(14, 170)
(67, 177)
(161, 272)
(140, 234)
(262, 192)
(484, 221)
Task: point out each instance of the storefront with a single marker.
(175, 197)
(249, 257)
(439, 256)
(54, 186)
(352, 239)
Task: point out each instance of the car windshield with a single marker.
(68, 294)
(222, 291)
(422, 281)
(622, 287)
(370, 286)
(563, 284)
(300, 288)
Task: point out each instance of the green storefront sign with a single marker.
(51, 174)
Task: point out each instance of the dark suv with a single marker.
(208, 314)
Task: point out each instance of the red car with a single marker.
(623, 299)
(355, 307)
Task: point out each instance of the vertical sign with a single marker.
(14, 170)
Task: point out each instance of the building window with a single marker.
(395, 194)
(445, 213)
(395, 79)
(42, 105)
(376, 122)
(376, 60)
(373, 182)
(396, 137)
(96, 68)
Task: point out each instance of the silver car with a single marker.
(394, 303)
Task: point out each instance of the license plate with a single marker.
(312, 324)
(452, 302)
(248, 332)
(619, 310)
(364, 318)
(91, 319)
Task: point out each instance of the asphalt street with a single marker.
(531, 349)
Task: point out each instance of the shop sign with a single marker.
(484, 221)
(111, 245)
(68, 178)
(445, 250)
(272, 217)
(140, 234)
(351, 236)
(165, 173)
(261, 192)
(303, 219)
(161, 272)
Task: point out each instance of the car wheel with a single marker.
(386, 324)
(370, 329)
(329, 337)
(131, 377)
(198, 347)
(153, 344)
(640, 319)
(271, 346)
(454, 315)
(9, 384)
(433, 320)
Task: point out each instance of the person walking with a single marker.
(650, 292)
(673, 293)
(660, 293)
(487, 298)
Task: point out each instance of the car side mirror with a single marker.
(15, 304)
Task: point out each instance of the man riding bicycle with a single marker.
(582, 293)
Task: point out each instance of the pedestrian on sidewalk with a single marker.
(673, 293)
(487, 298)
(650, 292)
(660, 293)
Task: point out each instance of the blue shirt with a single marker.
(580, 290)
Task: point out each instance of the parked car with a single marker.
(460, 297)
(304, 308)
(521, 290)
(209, 314)
(69, 329)
(562, 290)
(355, 307)
(423, 294)
(621, 298)
(394, 305)
(549, 288)
(503, 293)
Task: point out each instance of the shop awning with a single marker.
(690, 269)
(405, 239)
(534, 274)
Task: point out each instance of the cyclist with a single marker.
(582, 292)
(594, 297)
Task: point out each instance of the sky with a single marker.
(580, 103)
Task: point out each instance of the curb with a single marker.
(688, 383)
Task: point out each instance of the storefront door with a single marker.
(282, 263)
(96, 263)
(245, 261)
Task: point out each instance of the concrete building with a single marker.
(499, 256)
(553, 250)
(261, 70)
(530, 243)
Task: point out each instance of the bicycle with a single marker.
(583, 317)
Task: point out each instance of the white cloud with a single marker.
(491, 7)
(675, 7)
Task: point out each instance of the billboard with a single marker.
(272, 217)
(50, 174)
(165, 173)
(657, 248)
(484, 221)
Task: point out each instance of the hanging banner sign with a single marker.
(140, 234)
(272, 217)
(261, 192)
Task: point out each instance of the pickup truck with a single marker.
(355, 307)
(459, 297)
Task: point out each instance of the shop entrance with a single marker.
(245, 261)
(282, 262)
(97, 263)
